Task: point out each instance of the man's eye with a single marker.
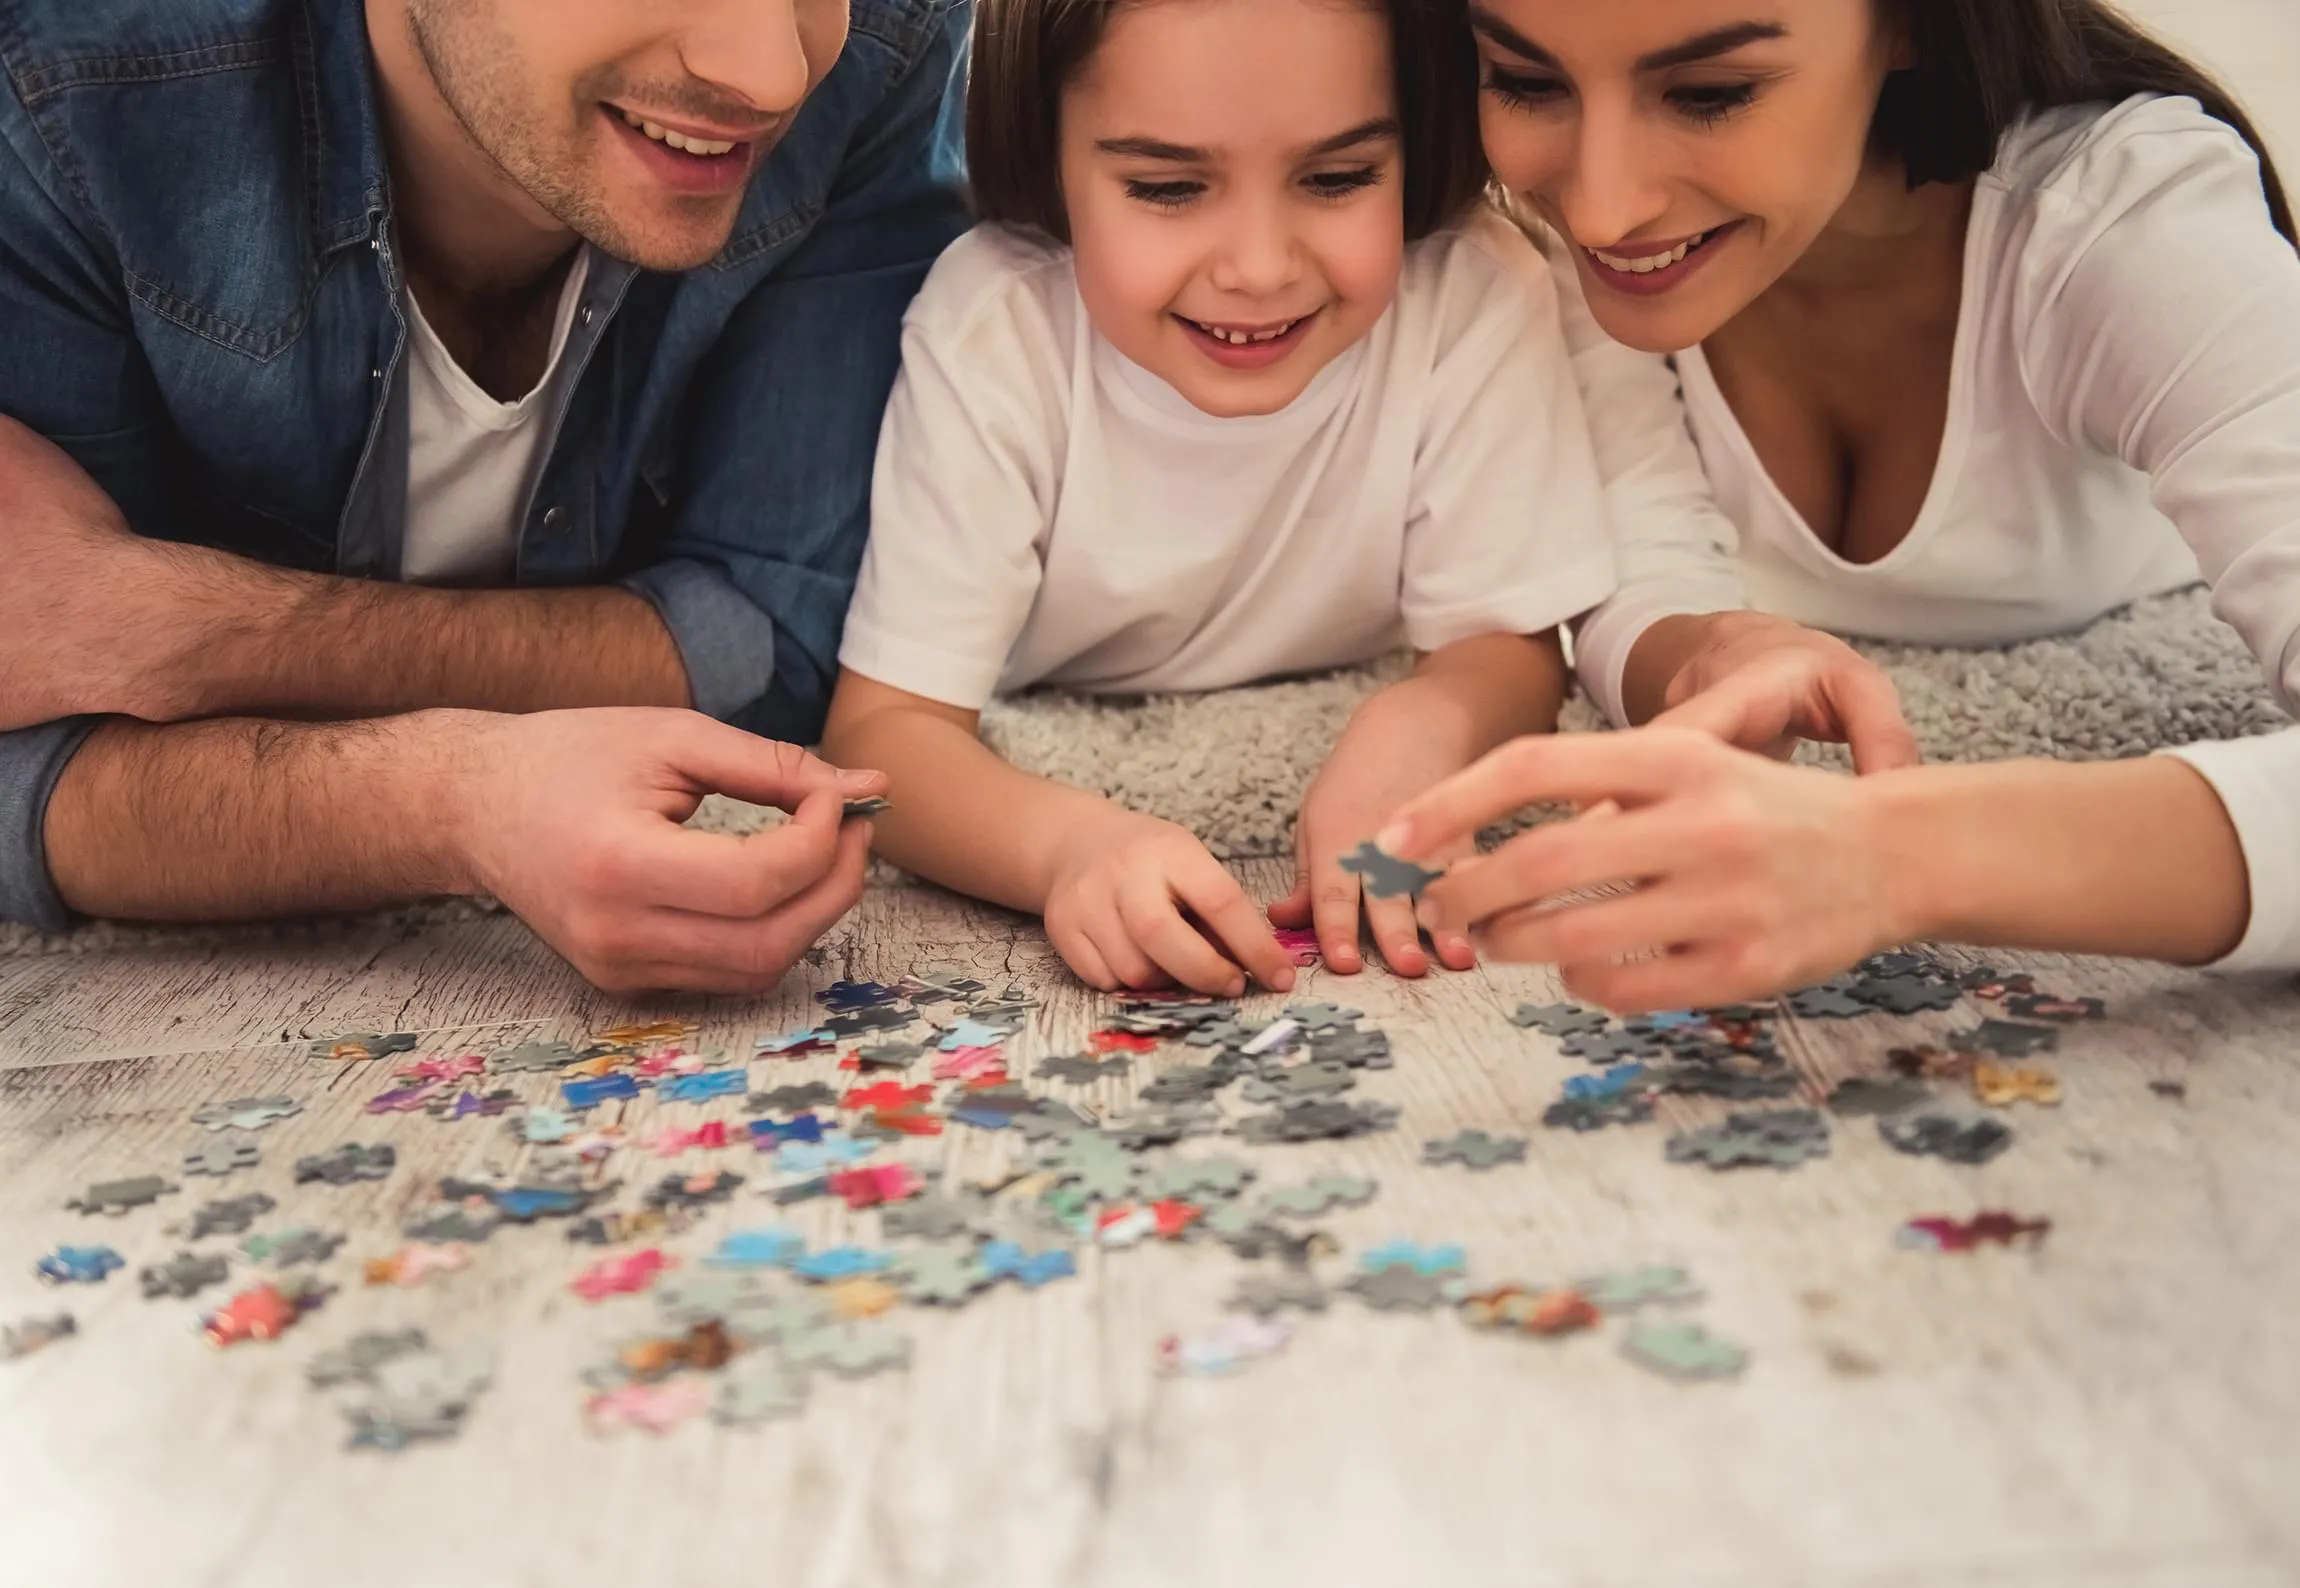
(1341, 184)
(1167, 195)
(1712, 102)
(1522, 90)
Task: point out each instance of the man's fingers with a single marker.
(1214, 896)
(1154, 923)
(1870, 709)
(1631, 768)
(743, 877)
(763, 771)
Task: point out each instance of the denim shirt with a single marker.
(201, 303)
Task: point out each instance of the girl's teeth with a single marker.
(1243, 338)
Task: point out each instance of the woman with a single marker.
(1988, 320)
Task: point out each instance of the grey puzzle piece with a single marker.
(1314, 1079)
(222, 1157)
(1877, 1094)
(340, 1166)
(1943, 1130)
(246, 1113)
(1321, 1194)
(1080, 1069)
(118, 1196)
(1474, 1149)
(356, 1360)
(1630, 1289)
(756, 1390)
(934, 1216)
(229, 1215)
(1263, 1294)
(1559, 1020)
(1908, 994)
(292, 1247)
(1397, 1288)
(2007, 1039)
(1829, 1001)
(941, 1276)
(452, 1224)
(1682, 1351)
(532, 1057)
(184, 1275)
(1385, 875)
(371, 1045)
(1201, 1179)
(792, 1098)
(850, 1352)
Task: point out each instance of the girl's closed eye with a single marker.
(1169, 194)
(1342, 184)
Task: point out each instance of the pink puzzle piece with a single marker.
(620, 1276)
(658, 1408)
(964, 1064)
(1301, 945)
(442, 1070)
(670, 1143)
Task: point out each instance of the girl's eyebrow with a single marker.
(1701, 47)
(1372, 131)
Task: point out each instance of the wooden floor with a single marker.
(2121, 1408)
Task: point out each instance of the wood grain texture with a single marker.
(2118, 1408)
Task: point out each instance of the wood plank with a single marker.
(2116, 1408)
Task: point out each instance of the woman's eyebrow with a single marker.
(1717, 41)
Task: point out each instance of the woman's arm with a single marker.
(1754, 878)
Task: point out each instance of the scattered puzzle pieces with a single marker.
(246, 1113)
(1474, 1149)
(79, 1265)
(117, 1197)
(1685, 1351)
(348, 1163)
(184, 1275)
(222, 1157)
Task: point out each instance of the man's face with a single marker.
(635, 123)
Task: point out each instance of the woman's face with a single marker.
(1693, 149)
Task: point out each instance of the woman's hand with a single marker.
(1115, 912)
(1749, 877)
(1763, 683)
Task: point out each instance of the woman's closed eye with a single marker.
(1703, 104)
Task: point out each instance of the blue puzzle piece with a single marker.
(588, 1094)
(545, 1126)
(767, 1135)
(524, 1202)
(981, 1116)
(973, 1034)
(1421, 1259)
(1618, 1081)
(702, 1088)
(79, 1265)
(820, 1157)
(1006, 1260)
(841, 1262)
(768, 1248)
(841, 996)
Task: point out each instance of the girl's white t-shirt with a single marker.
(2124, 418)
(1046, 511)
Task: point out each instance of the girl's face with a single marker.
(1694, 149)
(1232, 176)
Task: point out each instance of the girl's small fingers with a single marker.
(1128, 965)
(1334, 903)
(1154, 924)
(1083, 958)
(1293, 911)
(1215, 897)
(1398, 935)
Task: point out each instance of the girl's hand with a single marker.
(1380, 764)
(1763, 683)
(1115, 912)
(1751, 877)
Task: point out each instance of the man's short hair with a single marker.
(1026, 52)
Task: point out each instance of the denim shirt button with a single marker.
(554, 520)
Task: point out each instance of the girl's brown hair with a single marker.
(1981, 65)
(1026, 52)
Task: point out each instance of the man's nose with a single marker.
(755, 51)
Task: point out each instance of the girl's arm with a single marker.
(1106, 879)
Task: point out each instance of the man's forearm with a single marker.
(270, 642)
(238, 819)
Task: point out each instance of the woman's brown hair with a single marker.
(1981, 65)
(1026, 52)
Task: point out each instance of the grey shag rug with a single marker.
(1232, 766)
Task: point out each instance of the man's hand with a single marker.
(84, 603)
(1386, 759)
(1762, 683)
(572, 818)
(1138, 902)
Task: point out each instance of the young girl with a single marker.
(1239, 380)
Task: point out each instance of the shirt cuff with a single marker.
(2258, 781)
(1602, 645)
(31, 760)
(725, 640)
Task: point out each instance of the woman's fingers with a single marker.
(1631, 768)
(1560, 857)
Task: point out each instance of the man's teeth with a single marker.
(1244, 338)
(679, 141)
(1651, 262)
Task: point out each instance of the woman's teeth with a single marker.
(1244, 338)
(706, 147)
(1650, 262)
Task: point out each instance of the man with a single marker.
(376, 382)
